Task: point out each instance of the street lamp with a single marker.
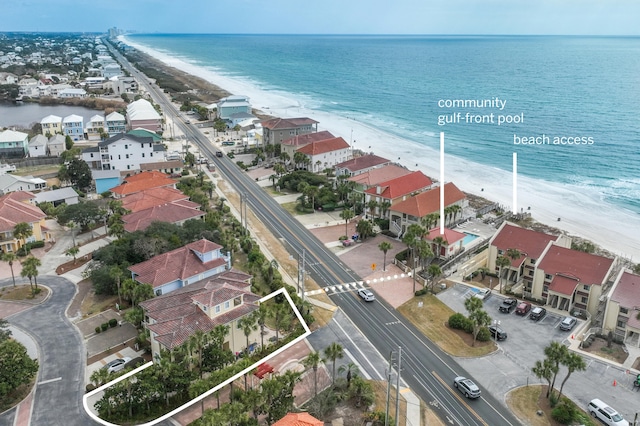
(496, 324)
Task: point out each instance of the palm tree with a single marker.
(573, 362)
(372, 204)
(439, 241)
(513, 254)
(334, 352)
(430, 220)
(198, 341)
(424, 252)
(434, 272)
(247, 324)
(10, 257)
(411, 237)
(385, 246)
(311, 192)
(72, 251)
(115, 272)
(501, 262)
(455, 209)
(384, 207)
(30, 269)
(364, 228)
(351, 369)
(347, 215)
(21, 232)
(261, 318)
(312, 361)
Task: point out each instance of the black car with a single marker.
(537, 313)
(497, 333)
(508, 305)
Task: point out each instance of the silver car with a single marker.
(467, 387)
(568, 323)
(366, 295)
(117, 364)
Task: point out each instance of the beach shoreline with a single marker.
(576, 213)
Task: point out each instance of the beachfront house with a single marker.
(385, 194)
(141, 114)
(13, 144)
(233, 104)
(38, 146)
(291, 145)
(447, 244)
(111, 70)
(276, 130)
(530, 244)
(223, 299)
(123, 152)
(15, 208)
(142, 181)
(73, 126)
(115, 123)
(360, 164)
(95, 128)
(414, 209)
(325, 154)
(57, 145)
(12, 183)
(122, 84)
(72, 93)
(51, 125)
(620, 314)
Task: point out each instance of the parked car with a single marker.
(568, 323)
(218, 153)
(537, 313)
(117, 364)
(523, 308)
(508, 305)
(606, 414)
(367, 295)
(483, 294)
(467, 387)
(497, 333)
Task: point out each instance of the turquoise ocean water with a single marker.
(584, 87)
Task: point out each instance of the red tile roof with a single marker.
(563, 285)
(180, 263)
(171, 213)
(428, 202)
(305, 139)
(298, 419)
(450, 236)
(526, 241)
(153, 197)
(363, 162)
(401, 186)
(14, 209)
(585, 267)
(382, 174)
(141, 182)
(627, 291)
(324, 146)
(287, 123)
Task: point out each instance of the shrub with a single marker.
(468, 326)
(98, 329)
(113, 322)
(104, 326)
(422, 292)
(483, 335)
(564, 412)
(457, 321)
(185, 172)
(36, 244)
(90, 387)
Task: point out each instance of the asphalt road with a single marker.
(428, 371)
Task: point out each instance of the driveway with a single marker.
(510, 366)
(60, 381)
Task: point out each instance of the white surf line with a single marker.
(44, 382)
(515, 183)
(359, 350)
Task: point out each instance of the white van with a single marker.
(606, 414)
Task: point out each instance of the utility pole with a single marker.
(386, 415)
(398, 385)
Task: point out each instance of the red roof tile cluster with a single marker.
(171, 213)
(177, 316)
(450, 236)
(180, 263)
(324, 146)
(428, 202)
(526, 241)
(587, 268)
(287, 123)
(298, 419)
(564, 284)
(305, 139)
(378, 175)
(153, 197)
(142, 181)
(401, 186)
(363, 162)
(15, 208)
(627, 291)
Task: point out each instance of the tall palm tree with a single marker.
(261, 318)
(439, 241)
(384, 207)
(347, 215)
(385, 246)
(351, 370)
(30, 269)
(411, 238)
(312, 361)
(73, 252)
(501, 262)
(115, 272)
(372, 205)
(21, 232)
(573, 362)
(334, 352)
(248, 324)
(10, 257)
(434, 272)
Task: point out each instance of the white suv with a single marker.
(606, 414)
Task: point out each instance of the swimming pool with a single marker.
(468, 237)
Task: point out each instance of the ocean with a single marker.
(492, 96)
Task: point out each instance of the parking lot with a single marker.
(510, 366)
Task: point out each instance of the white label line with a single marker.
(50, 381)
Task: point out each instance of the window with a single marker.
(500, 252)
(127, 156)
(159, 292)
(143, 155)
(126, 146)
(584, 299)
(547, 277)
(91, 155)
(150, 144)
(624, 310)
(227, 304)
(586, 287)
(533, 261)
(119, 157)
(217, 309)
(620, 324)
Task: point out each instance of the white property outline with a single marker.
(307, 332)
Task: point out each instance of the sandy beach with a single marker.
(581, 214)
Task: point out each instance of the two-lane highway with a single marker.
(427, 370)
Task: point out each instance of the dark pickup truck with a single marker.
(508, 305)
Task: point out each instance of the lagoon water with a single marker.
(396, 93)
(25, 115)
